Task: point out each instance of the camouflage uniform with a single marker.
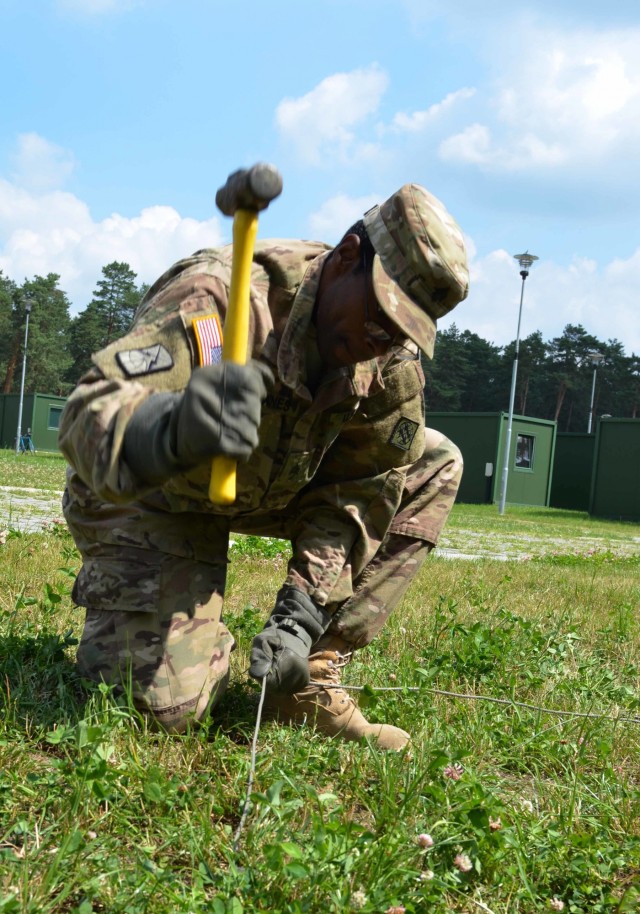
(345, 469)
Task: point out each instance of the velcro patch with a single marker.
(144, 361)
(403, 433)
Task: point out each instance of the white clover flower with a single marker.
(556, 904)
(463, 863)
(358, 899)
(425, 840)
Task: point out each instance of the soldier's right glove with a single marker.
(281, 650)
(218, 413)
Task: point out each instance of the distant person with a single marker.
(26, 443)
(327, 421)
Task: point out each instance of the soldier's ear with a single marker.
(347, 254)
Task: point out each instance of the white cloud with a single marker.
(336, 215)
(472, 145)
(476, 145)
(47, 230)
(600, 297)
(575, 83)
(419, 120)
(567, 100)
(39, 164)
(55, 233)
(320, 125)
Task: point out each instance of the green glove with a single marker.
(281, 650)
(218, 413)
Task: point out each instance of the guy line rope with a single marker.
(446, 694)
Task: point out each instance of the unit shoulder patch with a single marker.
(403, 433)
(146, 360)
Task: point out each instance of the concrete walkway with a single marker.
(28, 510)
(31, 510)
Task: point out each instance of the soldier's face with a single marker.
(346, 303)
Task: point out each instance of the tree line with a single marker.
(467, 374)
(59, 346)
(555, 379)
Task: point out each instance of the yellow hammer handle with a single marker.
(222, 485)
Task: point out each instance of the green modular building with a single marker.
(573, 471)
(615, 482)
(482, 436)
(40, 413)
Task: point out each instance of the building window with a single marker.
(524, 452)
(54, 417)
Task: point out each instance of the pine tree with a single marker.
(106, 318)
(48, 358)
(462, 375)
(9, 332)
(47, 347)
(447, 373)
(569, 374)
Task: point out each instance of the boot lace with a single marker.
(336, 666)
(342, 660)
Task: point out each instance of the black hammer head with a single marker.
(249, 188)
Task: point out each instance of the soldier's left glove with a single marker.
(281, 650)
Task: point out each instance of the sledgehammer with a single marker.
(245, 193)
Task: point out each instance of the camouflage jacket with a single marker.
(335, 455)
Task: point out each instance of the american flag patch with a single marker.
(208, 334)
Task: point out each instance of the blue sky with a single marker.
(122, 117)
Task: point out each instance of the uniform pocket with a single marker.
(117, 581)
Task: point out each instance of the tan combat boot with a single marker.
(332, 710)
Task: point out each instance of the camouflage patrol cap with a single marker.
(420, 269)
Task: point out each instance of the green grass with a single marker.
(30, 489)
(99, 814)
(39, 471)
(528, 530)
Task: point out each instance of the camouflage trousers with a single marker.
(173, 661)
(154, 623)
(430, 490)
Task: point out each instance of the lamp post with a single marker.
(596, 358)
(27, 310)
(525, 260)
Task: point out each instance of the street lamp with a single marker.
(596, 358)
(525, 260)
(27, 310)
